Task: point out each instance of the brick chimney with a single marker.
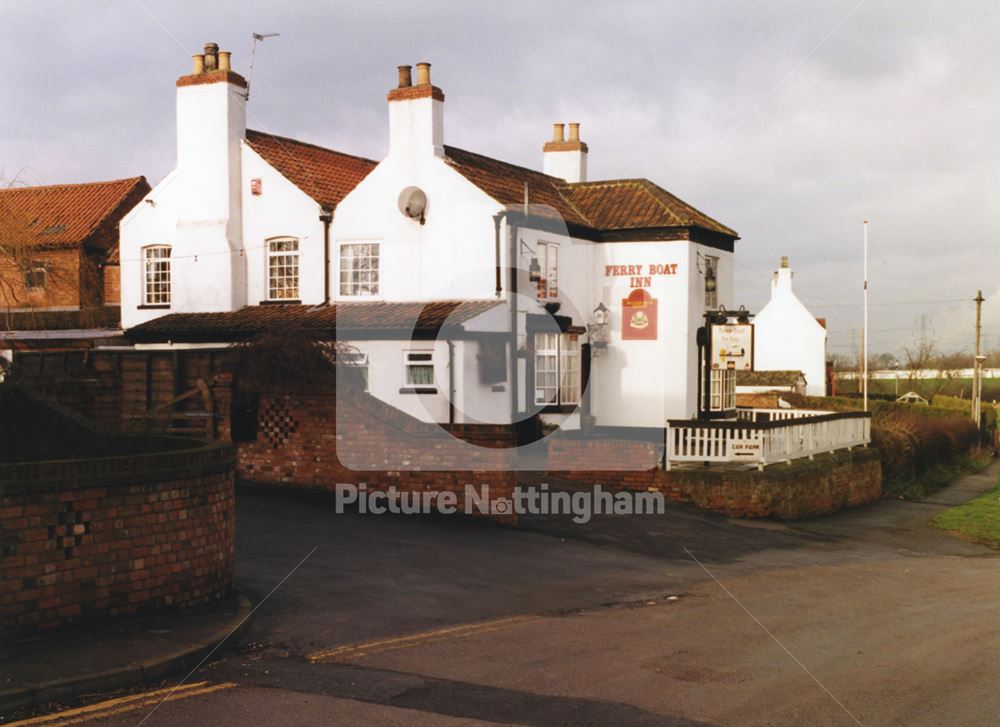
(416, 115)
(211, 124)
(565, 158)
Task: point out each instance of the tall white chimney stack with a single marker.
(416, 114)
(211, 124)
(565, 158)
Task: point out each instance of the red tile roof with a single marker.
(622, 204)
(625, 204)
(323, 174)
(375, 315)
(107, 316)
(65, 214)
(634, 203)
(505, 183)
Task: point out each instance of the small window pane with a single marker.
(283, 269)
(359, 269)
(156, 280)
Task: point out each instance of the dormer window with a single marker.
(283, 269)
(156, 275)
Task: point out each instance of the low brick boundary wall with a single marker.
(299, 449)
(114, 535)
(783, 491)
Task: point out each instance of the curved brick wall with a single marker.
(86, 538)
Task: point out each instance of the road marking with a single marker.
(120, 705)
(348, 651)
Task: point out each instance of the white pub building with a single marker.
(471, 290)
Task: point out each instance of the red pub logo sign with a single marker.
(639, 316)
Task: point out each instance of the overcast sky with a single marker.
(790, 122)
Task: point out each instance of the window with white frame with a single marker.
(283, 269)
(557, 369)
(711, 282)
(722, 394)
(359, 268)
(419, 369)
(356, 360)
(156, 275)
(548, 259)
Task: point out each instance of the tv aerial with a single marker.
(253, 50)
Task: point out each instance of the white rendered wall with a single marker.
(386, 376)
(450, 256)
(145, 224)
(281, 210)
(196, 210)
(787, 337)
(568, 165)
(643, 383)
(476, 402)
(211, 123)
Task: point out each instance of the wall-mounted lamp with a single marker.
(534, 267)
(598, 330)
(601, 315)
(534, 270)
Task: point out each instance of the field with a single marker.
(927, 388)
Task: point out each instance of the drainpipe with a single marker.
(512, 251)
(451, 382)
(326, 217)
(497, 218)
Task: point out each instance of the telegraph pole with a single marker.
(864, 331)
(977, 370)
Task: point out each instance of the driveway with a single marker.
(865, 617)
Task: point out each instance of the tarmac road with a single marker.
(866, 617)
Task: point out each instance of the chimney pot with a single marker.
(574, 132)
(211, 50)
(557, 132)
(423, 74)
(224, 60)
(199, 64)
(784, 261)
(405, 78)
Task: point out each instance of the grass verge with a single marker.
(977, 520)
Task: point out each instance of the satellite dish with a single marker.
(412, 203)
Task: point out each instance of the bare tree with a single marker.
(922, 359)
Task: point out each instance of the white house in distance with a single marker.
(787, 337)
(475, 291)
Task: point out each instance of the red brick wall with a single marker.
(306, 456)
(112, 285)
(62, 281)
(115, 390)
(802, 489)
(87, 539)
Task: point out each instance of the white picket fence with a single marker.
(766, 436)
